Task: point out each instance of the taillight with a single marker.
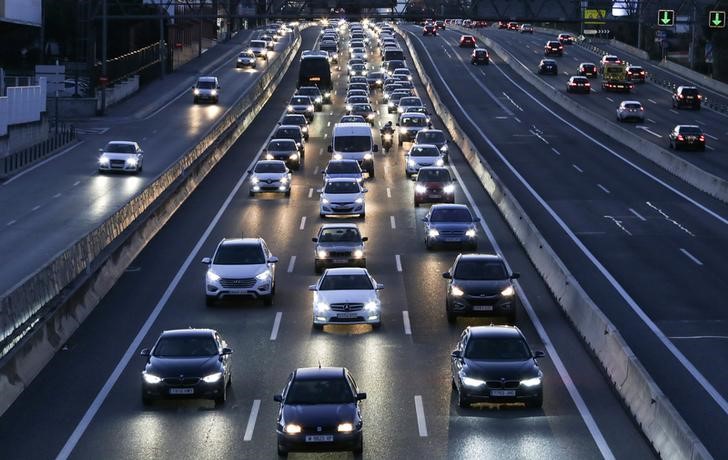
(587, 84)
(700, 96)
(642, 108)
(680, 96)
(642, 73)
(702, 138)
(680, 137)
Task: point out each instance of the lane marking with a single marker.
(535, 133)
(700, 337)
(392, 222)
(639, 216)
(389, 193)
(669, 219)
(652, 101)
(76, 183)
(321, 151)
(712, 137)
(303, 223)
(577, 168)
(605, 189)
(421, 422)
(610, 99)
(398, 262)
(501, 118)
(47, 160)
(276, 325)
(699, 122)
(310, 192)
(11, 222)
(709, 147)
(406, 321)
(690, 256)
(326, 135)
(651, 120)
(57, 195)
(517, 119)
(618, 223)
(35, 208)
(251, 420)
(675, 111)
(291, 264)
(315, 170)
(328, 124)
(645, 128)
(555, 151)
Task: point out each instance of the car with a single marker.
(566, 39)
(391, 66)
(553, 47)
(636, 73)
(342, 196)
(207, 89)
(356, 93)
(435, 137)
(429, 29)
(609, 58)
(314, 94)
(686, 136)
(578, 84)
(351, 100)
(346, 296)
(407, 102)
(502, 25)
(240, 267)
(440, 25)
(352, 119)
(394, 97)
(296, 120)
(548, 66)
(358, 70)
(343, 168)
(630, 110)
(358, 86)
(480, 285)
(686, 96)
(365, 110)
(123, 156)
(301, 105)
(402, 71)
(320, 410)
(480, 56)
(587, 69)
(450, 224)
(526, 29)
(339, 245)
(421, 155)
(467, 41)
(390, 88)
(270, 176)
(246, 59)
(270, 43)
(353, 61)
(512, 26)
(375, 78)
(285, 150)
(433, 185)
(187, 363)
(409, 124)
(359, 53)
(259, 49)
(494, 364)
(293, 132)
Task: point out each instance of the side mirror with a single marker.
(330, 149)
(144, 352)
(226, 351)
(515, 275)
(206, 260)
(456, 354)
(314, 239)
(278, 398)
(380, 286)
(538, 354)
(364, 239)
(375, 148)
(360, 396)
(312, 287)
(364, 190)
(272, 259)
(447, 275)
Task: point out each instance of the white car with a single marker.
(270, 176)
(346, 296)
(404, 72)
(259, 48)
(206, 88)
(342, 196)
(246, 59)
(630, 110)
(123, 156)
(421, 155)
(240, 267)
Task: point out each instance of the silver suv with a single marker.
(339, 245)
(206, 89)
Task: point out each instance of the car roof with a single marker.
(190, 332)
(316, 373)
(424, 146)
(631, 102)
(439, 206)
(213, 79)
(587, 63)
(494, 331)
(413, 114)
(430, 130)
(123, 142)
(295, 127)
(481, 257)
(342, 179)
(240, 241)
(347, 271)
(342, 225)
(688, 126)
(283, 140)
(270, 162)
(578, 77)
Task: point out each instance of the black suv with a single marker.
(686, 96)
(686, 136)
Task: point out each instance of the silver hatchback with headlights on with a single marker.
(124, 156)
(339, 245)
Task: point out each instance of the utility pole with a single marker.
(161, 40)
(104, 42)
(693, 36)
(639, 24)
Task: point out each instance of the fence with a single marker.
(23, 158)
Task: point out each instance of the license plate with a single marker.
(435, 196)
(452, 240)
(347, 315)
(502, 392)
(320, 438)
(340, 261)
(181, 391)
(483, 307)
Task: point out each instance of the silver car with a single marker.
(422, 155)
(342, 196)
(285, 150)
(246, 59)
(259, 48)
(339, 245)
(125, 156)
(343, 168)
(630, 110)
(301, 105)
(270, 176)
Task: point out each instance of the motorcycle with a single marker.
(387, 141)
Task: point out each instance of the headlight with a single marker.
(433, 233)
(318, 99)
(390, 104)
(409, 77)
(439, 162)
(367, 156)
(531, 382)
(151, 379)
(387, 137)
(284, 180)
(411, 162)
(345, 427)
(371, 306)
(327, 95)
(304, 129)
(293, 156)
(254, 180)
(400, 109)
(103, 161)
(290, 108)
(456, 291)
(358, 253)
(470, 233)
(348, 107)
(322, 306)
(213, 92)
(370, 116)
(420, 188)
(359, 201)
(508, 292)
(212, 378)
(402, 130)
(212, 276)
(263, 275)
(292, 428)
(196, 92)
(470, 382)
(443, 148)
(379, 82)
(324, 201)
(309, 108)
(322, 254)
(337, 156)
(449, 188)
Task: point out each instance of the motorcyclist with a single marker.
(387, 128)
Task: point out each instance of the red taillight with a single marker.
(680, 137)
(699, 96)
(642, 73)
(680, 96)
(642, 108)
(702, 138)
(587, 84)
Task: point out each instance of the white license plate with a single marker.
(320, 438)
(502, 392)
(435, 196)
(347, 315)
(340, 261)
(452, 240)
(181, 391)
(483, 307)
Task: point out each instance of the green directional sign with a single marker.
(716, 19)
(666, 18)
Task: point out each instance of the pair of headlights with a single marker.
(153, 379)
(457, 292)
(471, 382)
(346, 427)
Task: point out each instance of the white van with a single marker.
(354, 141)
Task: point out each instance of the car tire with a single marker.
(318, 327)
(363, 215)
(451, 317)
(210, 300)
(220, 400)
(359, 449)
(288, 193)
(371, 173)
(535, 403)
(317, 268)
(463, 402)
(428, 244)
(322, 215)
(283, 453)
(377, 326)
(268, 300)
(251, 193)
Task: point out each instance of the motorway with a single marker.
(647, 248)
(86, 402)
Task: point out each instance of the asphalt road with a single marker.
(88, 397)
(646, 247)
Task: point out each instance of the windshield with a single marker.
(424, 152)
(430, 137)
(309, 91)
(281, 146)
(329, 391)
(693, 130)
(451, 215)
(352, 143)
(120, 148)
(246, 54)
(632, 106)
(345, 283)
(178, 347)
(342, 187)
(206, 84)
(362, 108)
(497, 349)
(413, 121)
(239, 254)
(288, 133)
(294, 120)
(357, 100)
(352, 119)
(359, 86)
(303, 100)
(337, 167)
(270, 168)
(433, 175)
(339, 235)
(468, 269)
(413, 101)
(257, 44)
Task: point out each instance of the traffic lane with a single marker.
(638, 335)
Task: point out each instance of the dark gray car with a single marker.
(451, 224)
(339, 245)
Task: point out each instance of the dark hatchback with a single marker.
(636, 73)
(587, 69)
(686, 96)
(494, 364)
(548, 66)
(187, 363)
(553, 47)
(480, 285)
(320, 411)
(480, 56)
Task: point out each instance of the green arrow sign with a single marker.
(716, 19)
(666, 18)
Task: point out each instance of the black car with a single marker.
(553, 47)
(315, 94)
(578, 85)
(548, 66)
(429, 29)
(636, 73)
(298, 120)
(320, 411)
(686, 96)
(494, 364)
(480, 56)
(480, 285)
(587, 69)
(293, 132)
(435, 137)
(187, 363)
(686, 136)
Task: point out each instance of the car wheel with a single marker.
(318, 327)
(363, 215)
(288, 193)
(535, 403)
(317, 267)
(322, 215)
(251, 193)
(220, 400)
(377, 326)
(371, 173)
(359, 449)
(428, 244)
(451, 317)
(268, 300)
(462, 401)
(452, 384)
(282, 452)
(209, 300)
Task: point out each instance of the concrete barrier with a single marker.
(61, 294)
(660, 422)
(699, 78)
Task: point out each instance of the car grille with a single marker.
(117, 163)
(452, 232)
(181, 381)
(495, 384)
(237, 283)
(340, 254)
(347, 306)
(357, 319)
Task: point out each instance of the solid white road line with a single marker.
(276, 325)
(315, 170)
(35, 208)
(701, 337)
(11, 222)
(49, 159)
(321, 151)
(389, 193)
(398, 262)
(310, 192)
(421, 422)
(406, 321)
(291, 264)
(605, 189)
(392, 223)
(577, 168)
(74, 184)
(251, 420)
(639, 216)
(610, 99)
(303, 223)
(692, 257)
(555, 151)
(712, 137)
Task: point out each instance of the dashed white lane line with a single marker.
(398, 262)
(700, 337)
(321, 151)
(303, 223)
(326, 135)
(699, 122)
(331, 113)
(604, 189)
(76, 183)
(555, 151)
(11, 222)
(639, 216)
(712, 137)
(328, 123)
(315, 170)
(35, 208)
(517, 119)
(577, 168)
(57, 195)
(610, 99)
(392, 223)
(421, 422)
(675, 111)
(276, 325)
(389, 193)
(310, 192)
(652, 101)
(406, 322)
(251, 420)
(709, 147)
(651, 120)
(291, 264)
(690, 256)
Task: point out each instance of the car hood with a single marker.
(238, 271)
(270, 176)
(118, 156)
(319, 414)
(479, 287)
(175, 367)
(453, 226)
(352, 296)
(336, 246)
(496, 370)
(336, 175)
(341, 197)
(421, 160)
(282, 152)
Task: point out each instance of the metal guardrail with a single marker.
(23, 158)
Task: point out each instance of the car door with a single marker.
(225, 359)
(456, 364)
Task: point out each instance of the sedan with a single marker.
(187, 363)
(365, 110)
(553, 47)
(346, 295)
(410, 124)
(284, 150)
(343, 168)
(320, 411)
(314, 94)
(636, 73)
(339, 244)
(480, 56)
(494, 364)
(434, 185)
(587, 69)
(630, 110)
(578, 85)
(467, 41)
(429, 29)
(421, 155)
(270, 176)
(301, 105)
(296, 120)
(548, 66)
(451, 224)
(342, 196)
(124, 156)
(686, 136)
(246, 59)
(435, 137)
